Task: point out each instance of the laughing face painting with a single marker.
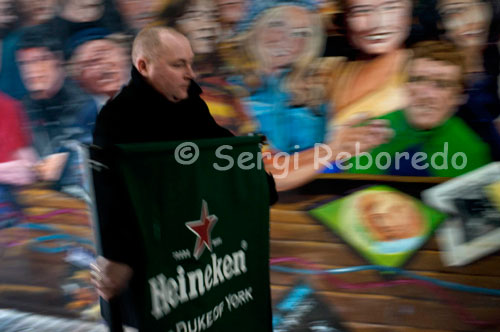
(378, 26)
(466, 21)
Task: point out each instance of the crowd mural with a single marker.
(298, 72)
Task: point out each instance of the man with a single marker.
(60, 114)
(38, 11)
(161, 103)
(98, 62)
(196, 20)
(428, 126)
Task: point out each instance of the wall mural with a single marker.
(300, 72)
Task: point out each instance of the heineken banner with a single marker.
(203, 210)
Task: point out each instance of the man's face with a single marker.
(466, 21)
(433, 91)
(138, 13)
(231, 11)
(199, 25)
(87, 10)
(378, 26)
(7, 13)
(283, 36)
(39, 11)
(41, 69)
(103, 66)
(171, 73)
(391, 216)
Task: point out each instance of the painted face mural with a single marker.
(38, 11)
(102, 66)
(262, 70)
(85, 10)
(378, 26)
(433, 91)
(40, 69)
(466, 21)
(7, 13)
(138, 13)
(231, 11)
(283, 35)
(390, 216)
(198, 23)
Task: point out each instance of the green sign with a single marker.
(203, 210)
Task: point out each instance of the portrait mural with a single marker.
(368, 86)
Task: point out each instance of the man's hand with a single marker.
(303, 167)
(17, 172)
(109, 278)
(51, 167)
(358, 131)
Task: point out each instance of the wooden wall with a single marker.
(34, 281)
(31, 281)
(398, 308)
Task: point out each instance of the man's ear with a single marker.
(461, 98)
(142, 66)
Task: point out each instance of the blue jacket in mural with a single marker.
(288, 128)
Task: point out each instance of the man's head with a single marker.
(164, 58)
(377, 26)
(8, 16)
(82, 10)
(435, 84)
(198, 23)
(99, 62)
(390, 216)
(138, 13)
(231, 11)
(37, 11)
(40, 61)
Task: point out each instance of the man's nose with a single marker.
(35, 69)
(190, 73)
(375, 20)
(429, 90)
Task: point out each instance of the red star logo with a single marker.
(202, 229)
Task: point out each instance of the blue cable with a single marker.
(446, 284)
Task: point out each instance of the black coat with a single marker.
(140, 114)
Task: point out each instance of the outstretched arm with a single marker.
(292, 171)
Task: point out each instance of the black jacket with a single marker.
(140, 114)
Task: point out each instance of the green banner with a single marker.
(203, 210)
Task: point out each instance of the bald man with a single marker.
(160, 103)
